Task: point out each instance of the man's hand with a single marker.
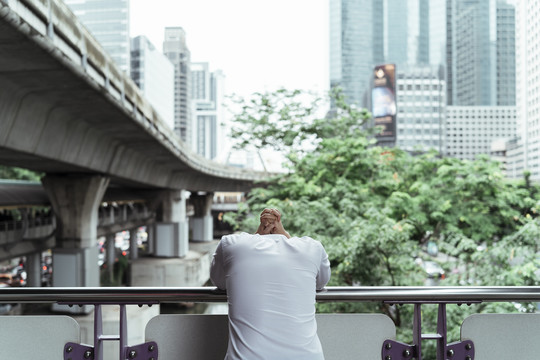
(271, 223)
(267, 222)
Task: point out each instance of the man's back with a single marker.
(271, 282)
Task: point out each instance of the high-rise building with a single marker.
(407, 32)
(506, 54)
(153, 73)
(207, 104)
(421, 106)
(471, 130)
(108, 22)
(480, 54)
(437, 32)
(366, 33)
(528, 83)
(356, 45)
(176, 50)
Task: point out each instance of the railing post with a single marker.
(417, 330)
(441, 330)
(123, 333)
(98, 333)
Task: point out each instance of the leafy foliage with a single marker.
(375, 209)
(15, 173)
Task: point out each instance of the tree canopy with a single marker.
(376, 209)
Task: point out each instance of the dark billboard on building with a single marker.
(383, 101)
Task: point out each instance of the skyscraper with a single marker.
(506, 54)
(154, 75)
(480, 53)
(407, 32)
(176, 50)
(108, 22)
(207, 98)
(356, 45)
(528, 83)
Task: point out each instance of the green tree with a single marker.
(375, 208)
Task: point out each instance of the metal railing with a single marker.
(156, 295)
(391, 349)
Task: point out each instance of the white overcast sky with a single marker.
(258, 44)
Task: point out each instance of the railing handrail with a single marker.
(155, 295)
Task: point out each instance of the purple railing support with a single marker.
(96, 352)
(461, 350)
(395, 350)
(441, 331)
(99, 337)
(417, 330)
(73, 351)
(146, 351)
(123, 332)
(98, 332)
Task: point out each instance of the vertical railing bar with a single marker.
(417, 330)
(123, 332)
(441, 330)
(98, 332)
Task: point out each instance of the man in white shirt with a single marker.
(271, 279)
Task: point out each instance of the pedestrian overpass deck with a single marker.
(201, 337)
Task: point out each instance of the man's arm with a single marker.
(217, 269)
(324, 270)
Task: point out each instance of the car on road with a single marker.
(13, 276)
(434, 273)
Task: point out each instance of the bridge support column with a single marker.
(75, 200)
(133, 246)
(202, 222)
(171, 233)
(151, 240)
(33, 270)
(110, 255)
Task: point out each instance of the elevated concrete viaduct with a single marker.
(66, 110)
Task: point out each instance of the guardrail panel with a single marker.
(205, 337)
(36, 337)
(201, 337)
(354, 336)
(503, 336)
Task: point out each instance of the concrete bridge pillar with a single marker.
(202, 222)
(133, 245)
(170, 234)
(75, 200)
(110, 255)
(33, 269)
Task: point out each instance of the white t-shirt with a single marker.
(271, 283)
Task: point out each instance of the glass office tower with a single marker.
(356, 45)
(480, 57)
(108, 22)
(407, 32)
